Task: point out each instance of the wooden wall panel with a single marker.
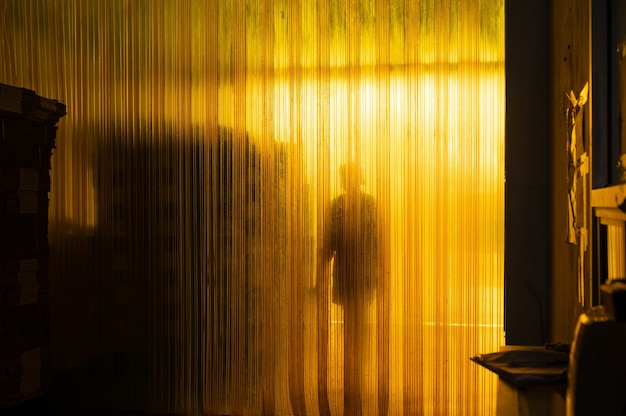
(570, 70)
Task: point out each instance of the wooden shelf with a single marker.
(609, 203)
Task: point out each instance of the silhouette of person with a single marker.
(353, 244)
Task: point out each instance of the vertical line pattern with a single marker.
(193, 212)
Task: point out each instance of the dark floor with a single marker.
(44, 406)
(81, 392)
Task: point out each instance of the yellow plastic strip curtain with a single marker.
(271, 206)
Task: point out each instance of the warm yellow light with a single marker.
(222, 239)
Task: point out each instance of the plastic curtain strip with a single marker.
(272, 206)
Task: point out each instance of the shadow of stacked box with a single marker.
(27, 137)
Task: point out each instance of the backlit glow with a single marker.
(193, 178)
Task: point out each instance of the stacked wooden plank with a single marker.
(27, 137)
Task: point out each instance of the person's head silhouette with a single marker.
(351, 177)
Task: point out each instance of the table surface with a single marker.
(533, 400)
